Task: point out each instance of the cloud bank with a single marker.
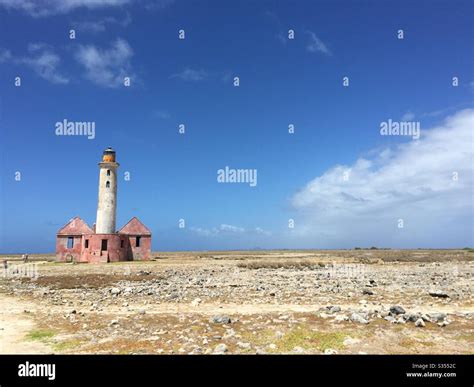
(428, 184)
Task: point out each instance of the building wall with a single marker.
(120, 247)
(63, 253)
(117, 248)
(142, 252)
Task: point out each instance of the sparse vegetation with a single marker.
(287, 264)
(40, 334)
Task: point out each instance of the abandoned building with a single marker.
(77, 242)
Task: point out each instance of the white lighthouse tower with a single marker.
(107, 204)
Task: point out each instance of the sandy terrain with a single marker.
(353, 301)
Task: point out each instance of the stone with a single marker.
(341, 318)
(437, 317)
(333, 309)
(115, 291)
(397, 310)
(390, 319)
(243, 345)
(350, 341)
(419, 323)
(368, 292)
(356, 317)
(221, 319)
(298, 350)
(330, 351)
(196, 302)
(220, 349)
(438, 293)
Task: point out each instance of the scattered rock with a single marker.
(196, 302)
(356, 317)
(243, 345)
(224, 319)
(390, 319)
(350, 341)
(220, 349)
(397, 310)
(330, 351)
(115, 291)
(368, 292)
(438, 293)
(437, 317)
(420, 323)
(412, 317)
(298, 350)
(333, 309)
(341, 318)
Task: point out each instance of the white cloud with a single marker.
(52, 7)
(100, 25)
(161, 114)
(42, 59)
(227, 230)
(261, 231)
(316, 45)
(5, 55)
(189, 74)
(413, 181)
(41, 8)
(230, 228)
(408, 116)
(106, 67)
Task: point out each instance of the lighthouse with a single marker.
(77, 242)
(107, 203)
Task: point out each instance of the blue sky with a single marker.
(190, 81)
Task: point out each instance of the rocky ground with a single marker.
(353, 301)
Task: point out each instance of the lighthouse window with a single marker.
(86, 244)
(108, 172)
(107, 185)
(137, 242)
(70, 242)
(104, 245)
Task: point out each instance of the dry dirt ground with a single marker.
(348, 301)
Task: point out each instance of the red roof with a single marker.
(76, 226)
(135, 227)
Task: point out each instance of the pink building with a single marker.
(77, 242)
